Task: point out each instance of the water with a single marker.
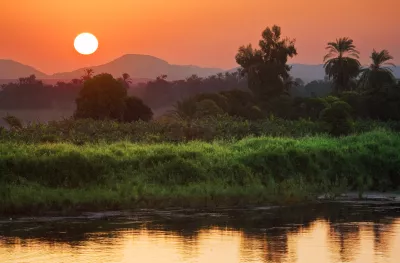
(330, 232)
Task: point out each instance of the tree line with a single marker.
(261, 87)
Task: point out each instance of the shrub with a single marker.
(337, 118)
(220, 100)
(309, 107)
(136, 110)
(207, 108)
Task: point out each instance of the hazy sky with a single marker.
(40, 33)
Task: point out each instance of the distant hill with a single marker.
(308, 73)
(10, 69)
(143, 66)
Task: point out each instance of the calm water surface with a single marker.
(330, 232)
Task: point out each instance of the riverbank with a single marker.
(65, 177)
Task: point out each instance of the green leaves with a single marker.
(266, 67)
(377, 76)
(102, 97)
(341, 63)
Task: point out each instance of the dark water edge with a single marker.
(98, 209)
(56, 228)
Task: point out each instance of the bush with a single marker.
(220, 100)
(136, 110)
(281, 107)
(337, 118)
(207, 107)
(309, 107)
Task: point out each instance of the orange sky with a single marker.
(40, 33)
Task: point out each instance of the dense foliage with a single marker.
(267, 68)
(102, 97)
(165, 129)
(253, 170)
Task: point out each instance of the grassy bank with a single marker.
(63, 176)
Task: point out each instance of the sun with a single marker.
(86, 43)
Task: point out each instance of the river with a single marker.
(364, 232)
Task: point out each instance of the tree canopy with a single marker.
(101, 97)
(378, 74)
(341, 63)
(266, 68)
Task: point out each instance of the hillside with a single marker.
(143, 66)
(10, 69)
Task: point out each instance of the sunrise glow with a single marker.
(86, 43)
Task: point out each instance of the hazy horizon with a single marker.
(212, 30)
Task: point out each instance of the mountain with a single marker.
(10, 69)
(307, 73)
(143, 66)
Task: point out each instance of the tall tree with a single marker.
(102, 97)
(378, 74)
(266, 68)
(341, 63)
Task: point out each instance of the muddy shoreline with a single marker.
(369, 198)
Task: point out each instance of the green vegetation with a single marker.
(37, 177)
(252, 136)
(222, 127)
(103, 97)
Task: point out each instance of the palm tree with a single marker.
(341, 63)
(378, 74)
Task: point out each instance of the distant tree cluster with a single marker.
(161, 93)
(30, 93)
(103, 97)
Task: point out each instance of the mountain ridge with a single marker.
(140, 66)
(11, 69)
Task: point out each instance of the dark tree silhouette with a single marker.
(102, 97)
(266, 68)
(377, 75)
(136, 110)
(341, 63)
(88, 74)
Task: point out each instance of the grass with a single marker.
(38, 177)
(206, 129)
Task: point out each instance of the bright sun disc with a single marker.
(86, 43)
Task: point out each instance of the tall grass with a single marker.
(206, 129)
(46, 176)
